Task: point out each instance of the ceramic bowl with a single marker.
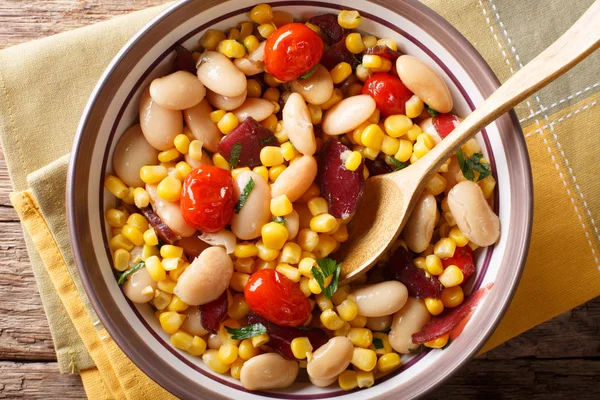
(113, 107)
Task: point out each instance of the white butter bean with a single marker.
(219, 74)
(249, 67)
(259, 109)
(474, 216)
(159, 125)
(295, 179)
(317, 89)
(259, 53)
(419, 228)
(268, 371)
(410, 319)
(298, 126)
(205, 160)
(169, 213)
(225, 103)
(292, 223)
(423, 81)
(330, 359)
(214, 341)
(380, 324)
(135, 285)
(348, 114)
(322, 382)
(177, 91)
(256, 212)
(192, 323)
(451, 175)
(131, 153)
(198, 120)
(206, 278)
(380, 299)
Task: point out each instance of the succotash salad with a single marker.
(237, 185)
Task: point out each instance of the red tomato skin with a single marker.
(207, 198)
(463, 259)
(445, 123)
(291, 51)
(389, 93)
(276, 298)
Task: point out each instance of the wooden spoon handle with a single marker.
(572, 47)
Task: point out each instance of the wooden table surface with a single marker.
(558, 359)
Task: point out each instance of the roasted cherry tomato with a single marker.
(445, 123)
(276, 298)
(389, 93)
(207, 198)
(463, 259)
(291, 51)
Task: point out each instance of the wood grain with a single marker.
(37, 380)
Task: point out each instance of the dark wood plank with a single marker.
(37, 380)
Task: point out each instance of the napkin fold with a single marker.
(44, 85)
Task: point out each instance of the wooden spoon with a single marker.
(389, 199)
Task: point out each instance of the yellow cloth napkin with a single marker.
(44, 85)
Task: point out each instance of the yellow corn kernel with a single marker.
(238, 281)
(274, 235)
(266, 253)
(140, 197)
(372, 61)
(449, 219)
(326, 246)
(275, 171)
(169, 188)
(133, 234)
(171, 251)
(389, 43)
(182, 340)
(444, 248)
(317, 206)
(228, 123)
(354, 44)
(169, 155)
(171, 264)
(253, 88)
(155, 269)
(138, 220)
(247, 350)
(364, 359)
(383, 343)
(335, 98)
(428, 251)
(236, 171)
(343, 70)
(397, 125)
(116, 218)
(304, 288)
(228, 353)
(266, 30)
(433, 265)
(353, 161)
(305, 266)
(121, 259)
(369, 41)
(365, 379)
(260, 340)
(272, 94)
(220, 161)
(349, 19)
(161, 299)
(452, 297)
(231, 47)
(343, 331)
(347, 310)
(438, 343)
(239, 307)
(290, 253)
(236, 368)
(358, 322)
(388, 362)
(149, 251)
(434, 306)
(281, 206)
(487, 185)
(347, 380)
(386, 65)
(314, 287)
(370, 153)
(362, 73)
(323, 302)
(427, 140)
(167, 285)
(171, 321)
(288, 151)
(217, 115)
(313, 27)
(414, 132)
(116, 186)
(281, 18)
(307, 239)
(340, 295)
(245, 250)
(226, 336)
(270, 123)
(420, 262)
(457, 236)
(452, 276)
(316, 114)
(414, 107)
(198, 346)
(419, 149)
(360, 337)
(211, 359)
(261, 14)
(436, 184)
(195, 150)
(323, 223)
(390, 145)
(262, 171)
(331, 320)
(288, 271)
(153, 173)
(301, 347)
(177, 304)
(270, 80)
(470, 148)
(211, 39)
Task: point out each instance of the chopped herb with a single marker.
(432, 112)
(247, 331)
(473, 163)
(378, 343)
(308, 74)
(279, 220)
(234, 157)
(244, 196)
(125, 275)
(327, 268)
(397, 165)
(268, 140)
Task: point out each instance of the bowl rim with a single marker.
(446, 34)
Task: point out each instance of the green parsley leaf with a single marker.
(432, 112)
(244, 196)
(327, 268)
(234, 157)
(473, 163)
(270, 139)
(125, 275)
(397, 165)
(279, 220)
(247, 331)
(378, 343)
(308, 74)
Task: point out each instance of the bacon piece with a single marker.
(336, 54)
(213, 313)
(377, 166)
(400, 267)
(330, 27)
(162, 230)
(444, 323)
(184, 61)
(384, 51)
(252, 137)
